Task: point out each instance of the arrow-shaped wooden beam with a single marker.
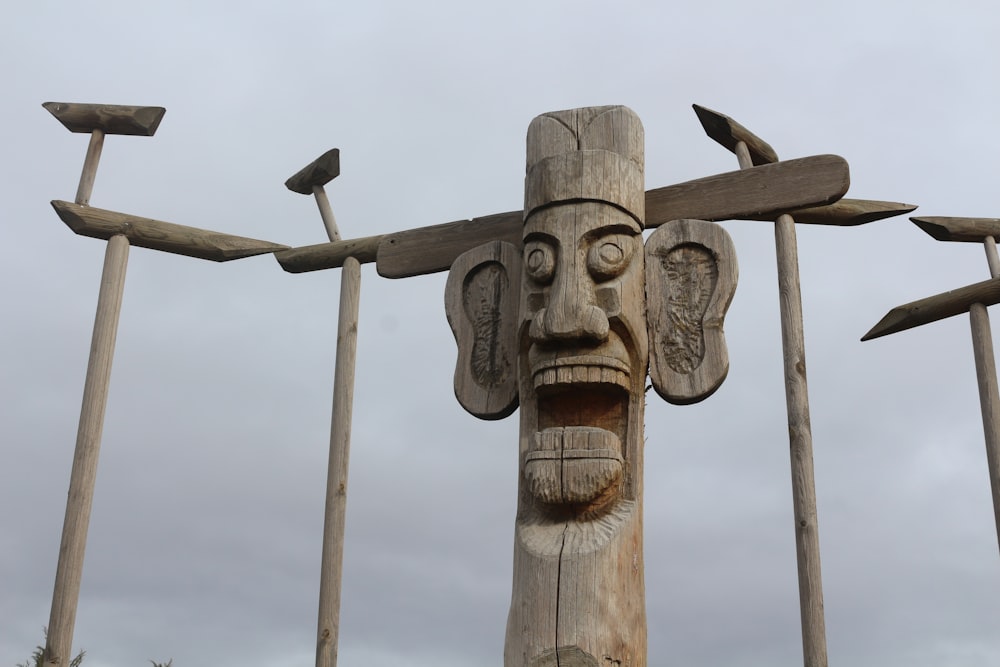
(969, 230)
(100, 223)
(934, 308)
(973, 299)
(763, 191)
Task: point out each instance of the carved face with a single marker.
(583, 328)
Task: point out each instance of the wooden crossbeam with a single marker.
(756, 193)
(934, 308)
(99, 223)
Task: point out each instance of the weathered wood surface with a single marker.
(395, 264)
(431, 249)
(328, 255)
(108, 118)
(937, 307)
(320, 171)
(769, 189)
(157, 235)
(311, 179)
(974, 230)
(989, 399)
(845, 213)
(69, 569)
(728, 132)
(481, 300)
(89, 173)
(740, 195)
(691, 275)
(811, 609)
(578, 596)
(332, 560)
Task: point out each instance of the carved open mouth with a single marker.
(576, 457)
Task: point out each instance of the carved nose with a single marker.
(569, 316)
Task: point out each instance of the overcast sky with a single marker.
(205, 538)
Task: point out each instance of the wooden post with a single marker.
(974, 299)
(69, 569)
(751, 150)
(118, 229)
(310, 180)
(578, 594)
(800, 437)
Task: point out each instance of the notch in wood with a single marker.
(108, 118)
(728, 132)
(970, 230)
(319, 172)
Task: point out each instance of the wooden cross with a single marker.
(972, 299)
(752, 150)
(120, 231)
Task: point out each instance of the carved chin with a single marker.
(575, 457)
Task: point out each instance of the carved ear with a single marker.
(691, 276)
(481, 300)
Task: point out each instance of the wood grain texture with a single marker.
(807, 548)
(728, 132)
(109, 118)
(937, 307)
(432, 249)
(765, 190)
(691, 275)
(320, 171)
(989, 399)
(69, 569)
(164, 236)
(845, 213)
(969, 230)
(89, 173)
(578, 594)
(332, 559)
(328, 255)
(481, 300)
(762, 191)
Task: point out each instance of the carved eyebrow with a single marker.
(623, 229)
(543, 237)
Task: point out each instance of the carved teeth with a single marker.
(581, 374)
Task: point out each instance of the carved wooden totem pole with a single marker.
(562, 328)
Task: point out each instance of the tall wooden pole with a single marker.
(120, 231)
(310, 180)
(69, 569)
(986, 375)
(800, 437)
(336, 482)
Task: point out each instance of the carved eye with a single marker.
(539, 261)
(609, 256)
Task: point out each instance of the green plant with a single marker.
(36, 659)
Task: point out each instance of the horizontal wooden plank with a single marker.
(328, 255)
(320, 171)
(157, 235)
(431, 249)
(109, 118)
(766, 191)
(847, 212)
(974, 230)
(937, 307)
(728, 132)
